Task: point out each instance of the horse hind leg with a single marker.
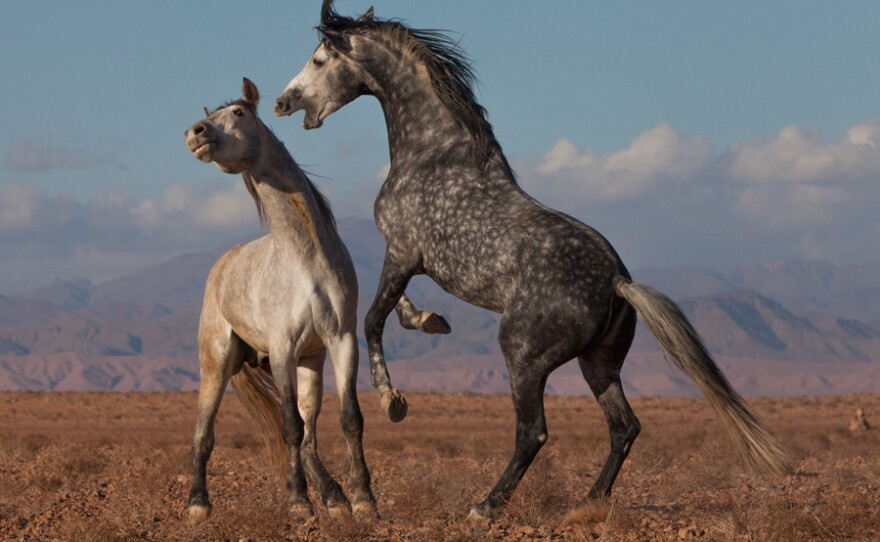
(283, 358)
(220, 353)
(344, 353)
(309, 383)
(600, 365)
(530, 359)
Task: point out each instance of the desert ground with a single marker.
(115, 466)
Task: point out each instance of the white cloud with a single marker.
(800, 154)
(667, 198)
(30, 155)
(227, 209)
(659, 155)
(18, 205)
(222, 206)
(58, 235)
(664, 199)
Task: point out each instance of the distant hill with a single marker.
(849, 291)
(788, 328)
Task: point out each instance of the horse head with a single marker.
(230, 135)
(332, 76)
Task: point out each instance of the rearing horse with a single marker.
(451, 208)
(273, 307)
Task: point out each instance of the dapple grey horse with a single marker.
(451, 208)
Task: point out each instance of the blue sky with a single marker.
(689, 133)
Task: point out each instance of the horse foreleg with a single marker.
(309, 384)
(391, 286)
(345, 363)
(282, 362)
(220, 352)
(412, 317)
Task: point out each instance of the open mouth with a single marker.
(203, 150)
(314, 121)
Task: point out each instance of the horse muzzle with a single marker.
(289, 102)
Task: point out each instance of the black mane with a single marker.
(451, 71)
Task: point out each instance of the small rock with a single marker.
(859, 421)
(683, 533)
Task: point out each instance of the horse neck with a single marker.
(289, 200)
(419, 124)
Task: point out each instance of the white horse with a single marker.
(273, 307)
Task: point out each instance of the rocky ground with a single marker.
(115, 466)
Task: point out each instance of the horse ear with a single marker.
(249, 92)
(336, 40)
(208, 112)
(366, 17)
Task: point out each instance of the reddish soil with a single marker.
(115, 466)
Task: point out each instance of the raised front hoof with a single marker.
(301, 511)
(197, 513)
(365, 511)
(482, 513)
(431, 322)
(394, 404)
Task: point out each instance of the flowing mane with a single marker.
(451, 72)
(250, 181)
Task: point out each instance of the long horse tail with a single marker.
(681, 343)
(256, 390)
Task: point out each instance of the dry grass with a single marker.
(96, 467)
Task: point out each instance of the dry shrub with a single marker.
(544, 494)
(419, 497)
(80, 465)
(243, 441)
(603, 520)
(681, 472)
(23, 448)
(346, 530)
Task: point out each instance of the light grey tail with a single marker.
(680, 342)
(257, 392)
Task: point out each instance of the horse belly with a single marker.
(471, 285)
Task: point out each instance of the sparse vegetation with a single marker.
(73, 469)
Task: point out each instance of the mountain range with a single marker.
(792, 327)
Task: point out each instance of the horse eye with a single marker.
(318, 62)
(238, 112)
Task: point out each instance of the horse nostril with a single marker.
(280, 105)
(198, 129)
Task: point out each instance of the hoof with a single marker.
(394, 404)
(339, 511)
(431, 322)
(483, 512)
(301, 511)
(365, 511)
(598, 495)
(478, 516)
(198, 513)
